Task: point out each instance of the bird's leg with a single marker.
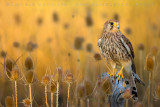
(113, 73)
(120, 73)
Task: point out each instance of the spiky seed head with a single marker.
(139, 104)
(46, 80)
(55, 17)
(9, 101)
(89, 47)
(16, 44)
(3, 54)
(53, 87)
(88, 88)
(127, 94)
(26, 102)
(28, 63)
(89, 20)
(58, 74)
(154, 51)
(31, 46)
(106, 86)
(97, 56)
(78, 43)
(141, 46)
(149, 63)
(29, 76)
(9, 66)
(81, 92)
(39, 21)
(15, 73)
(69, 77)
(158, 91)
(116, 16)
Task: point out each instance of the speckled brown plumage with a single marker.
(112, 45)
(118, 51)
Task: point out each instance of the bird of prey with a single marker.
(118, 52)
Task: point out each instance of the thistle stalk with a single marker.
(16, 92)
(57, 93)
(46, 95)
(88, 102)
(30, 94)
(68, 94)
(51, 99)
(149, 89)
(126, 102)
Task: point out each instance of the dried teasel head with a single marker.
(39, 21)
(9, 66)
(15, 73)
(46, 80)
(81, 92)
(139, 104)
(26, 102)
(158, 91)
(106, 86)
(154, 51)
(78, 43)
(69, 77)
(89, 47)
(3, 54)
(16, 44)
(116, 16)
(31, 46)
(58, 74)
(141, 46)
(97, 56)
(55, 17)
(88, 87)
(53, 87)
(29, 76)
(28, 63)
(128, 31)
(89, 20)
(127, 94)
(9, 101)
(149, 63)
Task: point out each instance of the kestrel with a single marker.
(118, 52)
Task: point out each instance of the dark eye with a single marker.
(111, 23)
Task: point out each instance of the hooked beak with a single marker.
(116, 25)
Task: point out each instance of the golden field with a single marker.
(46, 31)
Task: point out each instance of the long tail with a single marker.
(135, 76)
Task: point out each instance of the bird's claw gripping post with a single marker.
(120, 74)
(113, 73)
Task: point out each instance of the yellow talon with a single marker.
(113, 73)
(120, 73)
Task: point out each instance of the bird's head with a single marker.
(111, 26)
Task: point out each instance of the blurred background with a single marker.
(64, 33)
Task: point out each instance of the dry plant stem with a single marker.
(149, 89)
(81, 103)
(68, 94)
(87, 102)
(141, 65)
(51, 99)
(30, 94)
(127, 103)
(57, 93)
(46, 95)
(16, 92)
